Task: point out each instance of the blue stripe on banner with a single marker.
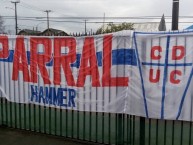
(142, 82)
(10, 58)
(184, 95)
(77, 63)
(169, 64)
(119, 57)
(124, 57)
(165, 77)
(99, 58)
(165, 33)
(28, 57)
(51, 63)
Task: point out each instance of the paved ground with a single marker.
(16, 137)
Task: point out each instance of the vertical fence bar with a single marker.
(120, 129)
(190, 134)
(149, 135)
(6, 92)
(19, 95)
(24, 92)
(181, 134)
(60, 110)
(130, 131)
(30, 105)
(1, 99)
(27, 106)
(109, 124)
(157, 130)
(5, 99)
(96, 117)
(103, 116)
(66, 110)
(142, 131)
(127, 129)
(1, 111)
(9, 103)
(124, 74)
(103, 94)
(173, 132)
(90, 93)
(78, 107)
(109, 128)
(165, 124)
(72, 108)
(34, 107)
(38, 107)
(84, 112)
(133, 139)
(44, 108)
(15, 105)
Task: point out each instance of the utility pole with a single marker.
(175, 14)
(85, 27)
(15, 3)
(104, 23)
(47, 11)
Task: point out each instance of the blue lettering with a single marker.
(41, 95)
(55, 97)
(61, 92)
(34, 93)
(49, 95)
(72, 95)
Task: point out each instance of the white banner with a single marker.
(144, 74)
(165, 72)
(84, 73)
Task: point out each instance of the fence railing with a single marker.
(96, 127)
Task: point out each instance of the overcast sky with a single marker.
(90, 8)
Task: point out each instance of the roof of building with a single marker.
(28, 31)
(57, 31)
(34, 32)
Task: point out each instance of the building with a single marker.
(47, 32)
(29, 32)
(53, 32)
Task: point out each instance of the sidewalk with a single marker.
(16, 137)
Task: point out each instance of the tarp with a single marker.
(189, 28)
(143, 74)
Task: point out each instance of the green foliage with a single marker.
(114, 28)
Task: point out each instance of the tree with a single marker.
(2, 27)
(114, 28)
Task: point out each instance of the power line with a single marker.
(80, 21)
(31, 7)
(94, 22)
(101, 18)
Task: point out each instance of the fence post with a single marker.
(120, 129)
(142, 131)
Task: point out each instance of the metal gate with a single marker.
(102, 128)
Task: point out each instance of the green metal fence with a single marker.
(102, 128)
